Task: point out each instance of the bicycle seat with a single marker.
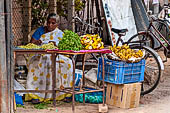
(119, 31)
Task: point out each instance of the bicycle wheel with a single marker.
(152, 69)
(143, 38)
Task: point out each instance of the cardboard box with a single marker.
(123, 96)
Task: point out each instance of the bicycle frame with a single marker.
(152, 31)
(149, 30)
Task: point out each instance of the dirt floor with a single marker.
(156, 102)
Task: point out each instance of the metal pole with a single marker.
(83, 76)
(73, 88)
(9, 53)
(6, 96)
(54, 78)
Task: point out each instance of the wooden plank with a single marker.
(108, 93)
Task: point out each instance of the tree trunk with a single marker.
(52, 4)
(71, 14)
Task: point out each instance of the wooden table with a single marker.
(70, 90)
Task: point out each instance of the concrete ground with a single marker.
(156, 102)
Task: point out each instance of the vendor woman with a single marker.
(39, 66)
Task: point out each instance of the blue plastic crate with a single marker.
(119, 72)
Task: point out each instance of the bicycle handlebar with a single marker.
(154, 18)
(85, 23)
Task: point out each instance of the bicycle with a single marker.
(152, 62)
(150, 54)
(147, 39)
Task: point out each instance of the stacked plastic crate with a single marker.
(123, 82)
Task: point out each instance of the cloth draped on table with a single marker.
(39, 71)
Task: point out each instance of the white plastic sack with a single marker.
(92, 75)
(18, 86)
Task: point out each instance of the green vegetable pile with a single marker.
(70, 41)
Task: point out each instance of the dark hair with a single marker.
(51, 15)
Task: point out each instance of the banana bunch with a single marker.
(125, 53)
(34, 46)
(49, 46)
(30, 46)
(92, 41)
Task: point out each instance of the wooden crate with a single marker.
(123, 96)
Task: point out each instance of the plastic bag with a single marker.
(18, 86)
(18, 99)
(78, 76)
(92, 75)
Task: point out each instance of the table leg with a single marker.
(14, 101)
(83, 78)
(54, 77)
(103, 74)
(73, 88)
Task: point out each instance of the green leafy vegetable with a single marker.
(41, 106)
(70, 41)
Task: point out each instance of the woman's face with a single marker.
(51, 24)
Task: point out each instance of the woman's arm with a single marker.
(34, 41)
(36, 36)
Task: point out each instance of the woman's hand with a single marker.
(53, 42)
(37, 42)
